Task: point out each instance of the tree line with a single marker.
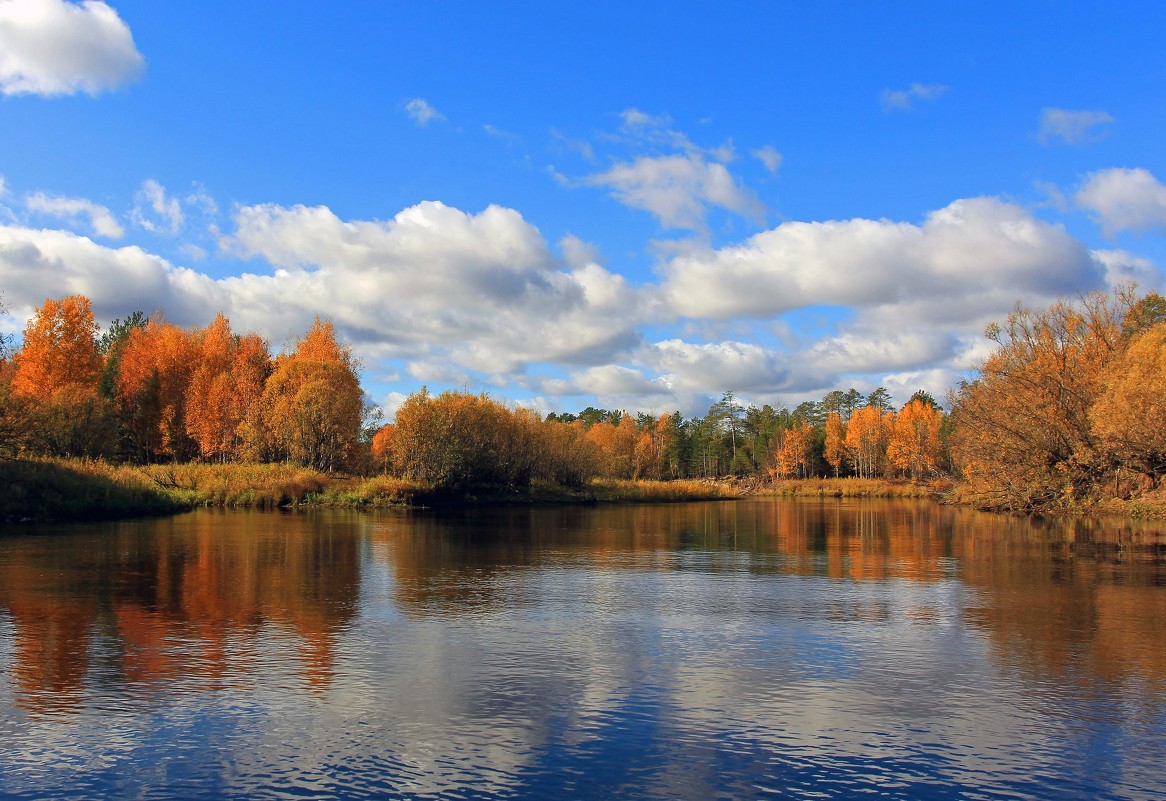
(147, 390)
(1067, 410)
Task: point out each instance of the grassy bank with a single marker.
(854, 488)
(79, 490)
(54, 489)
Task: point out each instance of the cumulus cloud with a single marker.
(678, 189)
(421, 112)
(1122, 267)
(156, 211)
(676, 180)
(699, 367)
(578, 253)
(483, 285)
(99, 219)
(480, 299)
(1124, 200)
(965, 258)
(54, 47)
(904, 99)
(1072, 127)
(768, 156)
(38, 264)
(870, 351)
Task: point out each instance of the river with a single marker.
(755, 649)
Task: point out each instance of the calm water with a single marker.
(751, 650)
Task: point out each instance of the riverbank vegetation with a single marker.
(1065, 414)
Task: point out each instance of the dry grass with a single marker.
(371, 493)
(263, 486)
(855, 488)
(55, 489)
(607, 489)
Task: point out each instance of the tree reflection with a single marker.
(199, 599)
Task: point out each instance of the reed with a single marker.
(621, 490)
(53, 489)
(855, 488)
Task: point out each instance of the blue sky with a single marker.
(630, 205)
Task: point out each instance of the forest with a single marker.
(1067, 411)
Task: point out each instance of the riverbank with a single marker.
(939, 489)
(75, 489)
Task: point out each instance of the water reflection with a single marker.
(688, 651)
(151, 603)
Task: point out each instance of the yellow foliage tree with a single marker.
(55, 382)
(312, 403)
(866, 441)
(59, 351)
(1023, 435)
(1129, 417)
(793, 457)
(835, 450)
(913, 442)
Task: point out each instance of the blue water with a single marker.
(760, 649)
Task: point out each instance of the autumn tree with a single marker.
(793, 457)
(56, 377)
(866, 441)
(457, 441)
(1129, 417)
(913, 441)
(156, 365)
(59, 350)
(1023, 430)
(225, 390)
(615, 446)
(14, 416)
(312, 403)
(835, 446)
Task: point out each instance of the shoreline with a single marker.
(60, 490)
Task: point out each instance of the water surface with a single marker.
(757, 649)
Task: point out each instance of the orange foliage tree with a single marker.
(835, 450)
(866, 441)
(59, 351)
(913, 439)
(1023, 431)
(793, 457)
(55, 380)
(312, 403)
(1129, 416)
(153, 382)
(225, 390)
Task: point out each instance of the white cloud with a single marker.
(421, 112)
(1124, 200)
(485, 287)
(454, 298)
(1122, 267)
(964, 259)
(936, 381)
(155, 211)
(577, 253)
(904, 99)
(53, 47)
(873, 350)
(678, 189)
(100, 220)
(704, 367)
(1072, 127)
(768, 156)
(37, 264)
(392, 402)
